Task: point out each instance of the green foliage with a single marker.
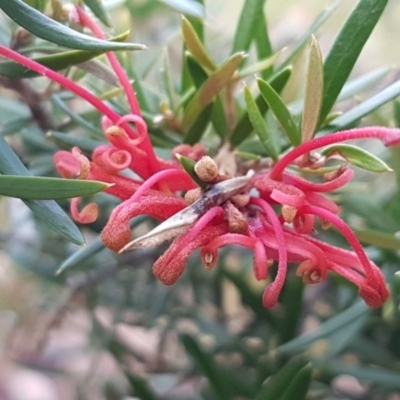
(208, 336)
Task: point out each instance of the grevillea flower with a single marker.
(272, 211)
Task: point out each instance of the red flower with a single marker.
(272, 212)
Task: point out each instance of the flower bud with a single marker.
(192, 195)
(240, 199)
(206, 169)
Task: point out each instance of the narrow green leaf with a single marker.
(56, 62)
(55, 217)
(396, 112)
(141, 388)
(369, 209)
(387, 379)
(98, 10)
(188, 165)
(319, 21)
(195, 46)
(251, 16)
(41, 188)
(198, 128)
(167, 79)
(300, 384)
(210, 88)
(351, 117)
(250, 297)
(363, 82)
(347, 47)
(281, 112)
(357, 156)
(259, 124)
(187, 7)
(259, 66)
(336, 323)
(196, 71)
(263, 45)
(351, 88)
(205, 363)
(218, 118)
(313, 93)
(82, 255)
(244, 128)
(48, 210)
(276, 385)
(67, 141)
(48, 29)
(57, 101)
(379, 239)
(248, 156)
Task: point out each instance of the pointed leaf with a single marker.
(51, 30)
(195, 46)
(48, 210)
(98, 10)
(363, 82)
(299, 385)
(187, 7)
(389, 379)
(188, 165)
(198, 128)
(259, 66)
(358, 157)
(41, 188)
(281, 112)
(57, 101)
(56, 62)
(347, 47)
(351, 117)
(196, 71)
(168, 84)
(210, 88)
(219, 381)
(259, 124)
(67, 141)
(313, 93)
(263, 45)
(82, 255)
(375, 238)
(276, 385)
(141, 387)
(319, 21)
(252, 14)
(333, 325)
(218, 118)
(244, 127)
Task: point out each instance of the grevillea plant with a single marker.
(268, 207)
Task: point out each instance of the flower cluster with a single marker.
(272, 211)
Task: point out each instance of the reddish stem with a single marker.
(347, 233)
(61, 80)
(86, 21)
(271, 293)
(388, 136)
(146, 145)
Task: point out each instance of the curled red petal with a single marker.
(170, 266)
(345, 177)
(388, 136)
(87, 215)
(117, 233)
(66, 164)
(271, 293)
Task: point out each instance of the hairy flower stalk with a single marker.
(273, 212)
